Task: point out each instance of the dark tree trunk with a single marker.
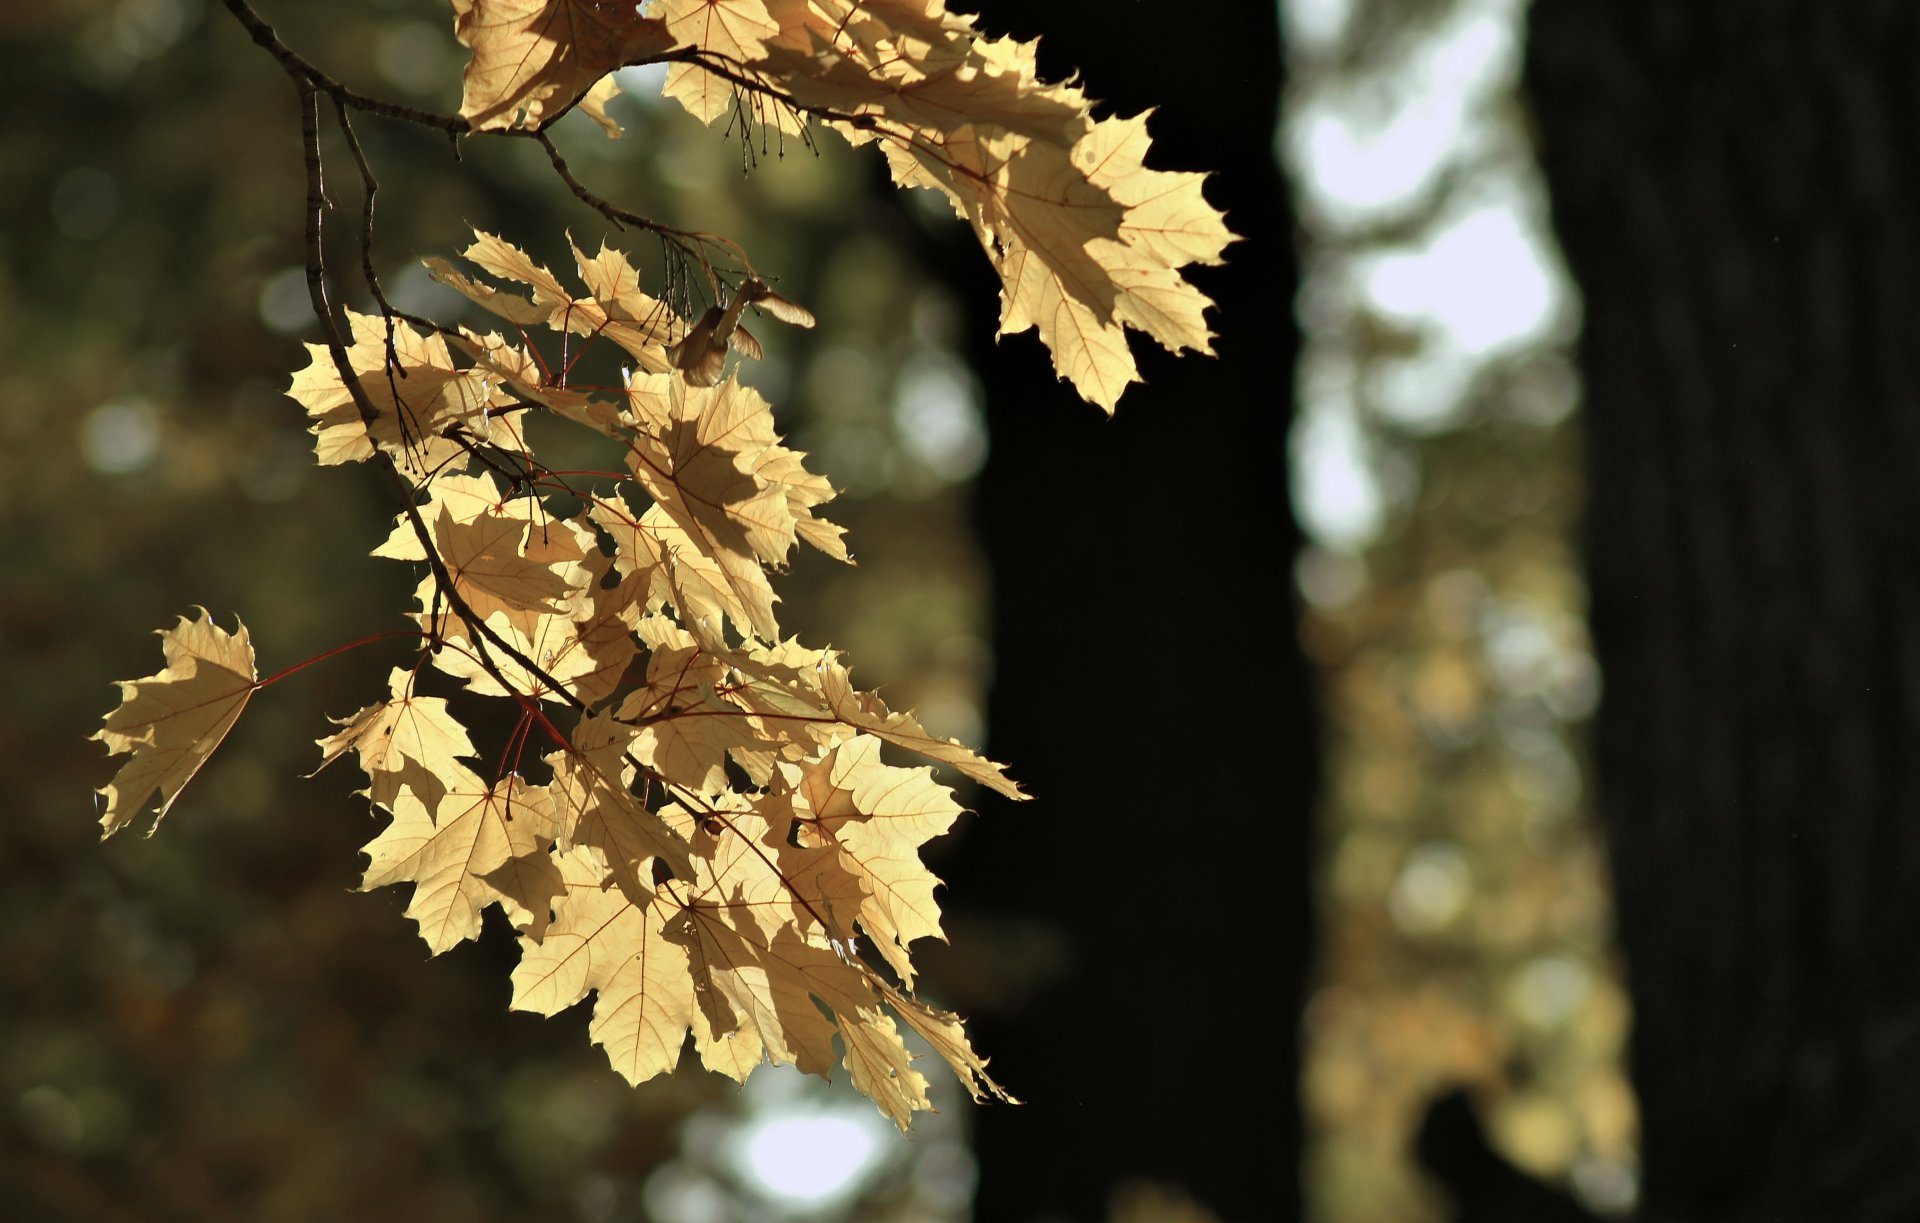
(1737, 188)
(1149, 689)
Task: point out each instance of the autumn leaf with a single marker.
(479, 844)
(735, 30)
(1079, 284)
(723, 835)
(719, 834)
(699, 454)
(1088, 242)
(684, 728)
(486, 553)
(410, 741)
(613, 305)
(605, 941)
(873, 818)
(597, 812)
(517, 368)
(533, 59)
(171, 721)
(414, 399)
(720, 955)
(582, 658)
(866, 711)
(943, 1031)
(793, 989)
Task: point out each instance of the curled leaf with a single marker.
(701, 354)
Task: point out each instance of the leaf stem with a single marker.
(284, 672)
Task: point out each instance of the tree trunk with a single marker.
(1737, 187)
(1149, 689)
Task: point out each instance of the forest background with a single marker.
(206, 1026)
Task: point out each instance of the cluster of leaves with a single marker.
(1088, 241)
(692, 817)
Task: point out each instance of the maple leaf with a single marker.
(478, 845)
(584, 658)
(866, 711)
(536, 583)
(1088, 241)
(613, 305)
(533, 59)
(684, 728)
(604, 940)
(697, 454)
(486, 552)
(874, 818)
(172, 720)
(414, 399)
(410, 741)
(942, 1030)
(1081, 285)
(598, 813)
(517, 368)
(732, 29)
(743, 948)
(775, 991)
(792, 991)
(721, 848)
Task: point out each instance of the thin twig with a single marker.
(370, 188)
(316, 205)
(689, 244)
(300, 69)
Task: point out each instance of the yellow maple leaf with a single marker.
(943, 1031)
(735, 30)
(585, 657)
(604, 940)
(410, 741)
(613, 306)
(1088, 242)
(532, 59)
(866, 711)
(535, 580)
(529, 383)
(697, 454)
(790, 992)
(478, 845)
(720, 832)
(678, 569)
(873, 818)
(597, 812)
(487, 556)
(413, 401)
(683, 728)
(172, 720)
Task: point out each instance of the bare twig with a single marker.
(300, 69)
(370, 188)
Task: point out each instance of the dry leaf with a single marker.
(532, 59)
(408, 742)
(1088, 241)
(479, 844)
(171, 721)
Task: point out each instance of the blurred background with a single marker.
(1296, 868)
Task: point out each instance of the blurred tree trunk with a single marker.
(1148, 688)
(1737, 188)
